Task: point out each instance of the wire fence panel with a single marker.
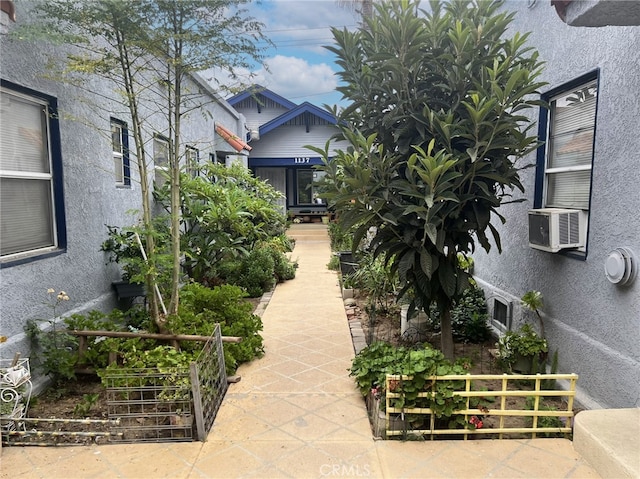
(490, 405)
(151, 406)
(171, 404)
(209, 382)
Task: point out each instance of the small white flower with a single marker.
(51, 291)
(62, 296)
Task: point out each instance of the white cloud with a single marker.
(295, 78)
(300, 69)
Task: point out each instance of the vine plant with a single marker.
(417, 368)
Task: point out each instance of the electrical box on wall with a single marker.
(555, 229)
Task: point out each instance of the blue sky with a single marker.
(300, 68)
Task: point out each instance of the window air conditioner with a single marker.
(554, 229)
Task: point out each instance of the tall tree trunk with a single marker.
(175, 189)
(143, 171)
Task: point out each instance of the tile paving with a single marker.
(297, 414)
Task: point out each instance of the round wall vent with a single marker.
(621, 266)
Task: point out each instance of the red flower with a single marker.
(476, 421)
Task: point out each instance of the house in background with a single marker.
(278, 132)
(576, 238)
(67, 169)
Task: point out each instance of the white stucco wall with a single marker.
(595, 325)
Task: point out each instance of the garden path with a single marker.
(297, 414)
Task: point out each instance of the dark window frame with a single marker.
(126, 165)
(57, 179)
(542, 151)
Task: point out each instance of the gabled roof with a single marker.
(255, 90)
(305, 107)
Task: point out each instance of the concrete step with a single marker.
(609, 439)
(308, 232)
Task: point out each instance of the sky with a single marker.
(300, 69)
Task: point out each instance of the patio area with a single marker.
(296, 413)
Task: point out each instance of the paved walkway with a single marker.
(297, 414)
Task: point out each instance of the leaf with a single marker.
(432, 232)
(406, 263)
(473, 154)
(447, 278)
(426, 264)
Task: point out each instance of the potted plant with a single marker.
(522, 350)
(124, 250)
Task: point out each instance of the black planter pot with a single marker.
(348, 264)
(125, 290)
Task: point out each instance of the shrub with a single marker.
(202, 307)
(255, 272)
(258, 272)
(468, 317)
(123, 248)
(524, 342)
(226, 212)
(334, 263)
(283, 268)
(58, 351)
(376, 280)
(372, 364)
(339, 239)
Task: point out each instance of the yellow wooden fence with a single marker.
(471, 384)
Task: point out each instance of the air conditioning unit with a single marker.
(554, 229)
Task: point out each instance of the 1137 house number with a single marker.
(301, 160)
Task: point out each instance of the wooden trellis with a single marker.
(501, 411)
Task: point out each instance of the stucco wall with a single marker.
(91, 197)
(594, 324)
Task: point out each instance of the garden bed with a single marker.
(137, 405)
(481, 359)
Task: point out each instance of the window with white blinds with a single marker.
(27, 209)
(120, 147)
(572, 117)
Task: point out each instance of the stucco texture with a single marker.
(593, 324)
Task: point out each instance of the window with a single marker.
(501, 314)
(568, 129)
(120, 147)
(192, 155)
(31, 197)
(161, 159)
(307, 189)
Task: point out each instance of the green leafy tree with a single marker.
(138, 44)
(436, 125)
(193, 36)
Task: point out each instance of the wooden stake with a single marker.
(171, 337)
